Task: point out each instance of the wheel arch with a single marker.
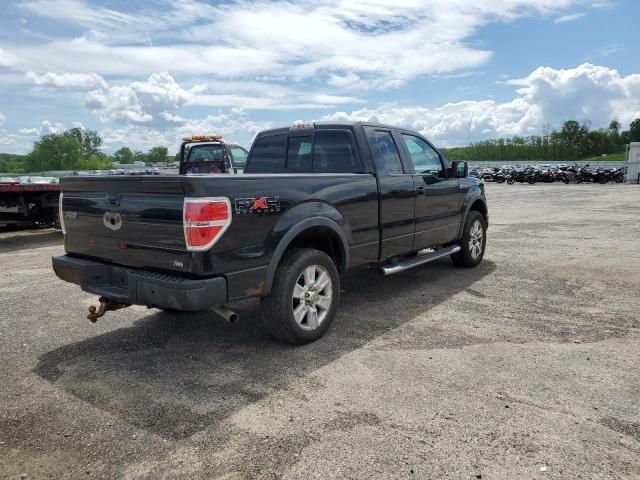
(478, 204)
(317, 232)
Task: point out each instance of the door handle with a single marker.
(420, 190)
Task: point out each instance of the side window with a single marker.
(385, 152)
(299, 154)
(335, 152)
(267, 155)
(239, 156)
(426, 160)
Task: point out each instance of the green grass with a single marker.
(610, 157)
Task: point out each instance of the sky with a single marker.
(150, 72)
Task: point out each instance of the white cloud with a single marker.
(236, 127)
(152, 102)
(79, 12)
(269, 100)
(6, 140)
(45, 128)
(605, 51)
(232, 124)
(8, 60)
(82, 81)
(134, 137)
(569, 18)
(2, 118)
(546, 96)
(157, 100)
(359, 44)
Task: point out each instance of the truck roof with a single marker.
(331, 123)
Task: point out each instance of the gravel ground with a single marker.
(525, 367)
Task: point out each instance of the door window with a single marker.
(239, 156)
(385, 153)
(425, 159)
(334, 151)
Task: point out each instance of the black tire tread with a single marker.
(463, 257)
(275, 307)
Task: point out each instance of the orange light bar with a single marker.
(202, 138)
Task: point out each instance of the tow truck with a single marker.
(29, 201)
(211, 154)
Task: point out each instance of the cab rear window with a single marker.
(323, 151)
(267, 155)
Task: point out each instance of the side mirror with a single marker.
(460, 169)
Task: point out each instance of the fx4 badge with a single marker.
(257, 205)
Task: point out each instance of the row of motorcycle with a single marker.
(550, 174)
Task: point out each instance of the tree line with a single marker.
(11, 163)
(80, 149)
(572, 141)
(76, 149)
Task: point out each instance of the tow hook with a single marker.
(106, 305)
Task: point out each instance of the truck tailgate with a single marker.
(131, 221)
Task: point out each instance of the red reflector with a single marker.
(201, 236)
(205, 220)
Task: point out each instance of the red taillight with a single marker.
(205, 220)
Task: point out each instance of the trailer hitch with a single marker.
(106, 305)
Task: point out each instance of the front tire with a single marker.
(304, 297)
(473, 241)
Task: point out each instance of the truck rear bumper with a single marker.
(141, 287)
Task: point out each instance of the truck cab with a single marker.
(211, 154)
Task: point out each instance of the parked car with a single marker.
(315, 201)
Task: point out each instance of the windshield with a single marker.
(204, 153)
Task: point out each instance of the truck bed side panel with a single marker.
(151, 235)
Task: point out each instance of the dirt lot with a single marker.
(526, 367)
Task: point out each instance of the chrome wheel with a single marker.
(476, 238)
(312, 296)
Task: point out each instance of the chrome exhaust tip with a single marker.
(228, 315)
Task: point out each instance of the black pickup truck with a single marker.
(314, 201)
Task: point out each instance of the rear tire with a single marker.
(473, 241)
(304, 297)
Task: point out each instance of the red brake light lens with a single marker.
(205, 220)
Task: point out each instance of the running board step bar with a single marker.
(419, 260)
